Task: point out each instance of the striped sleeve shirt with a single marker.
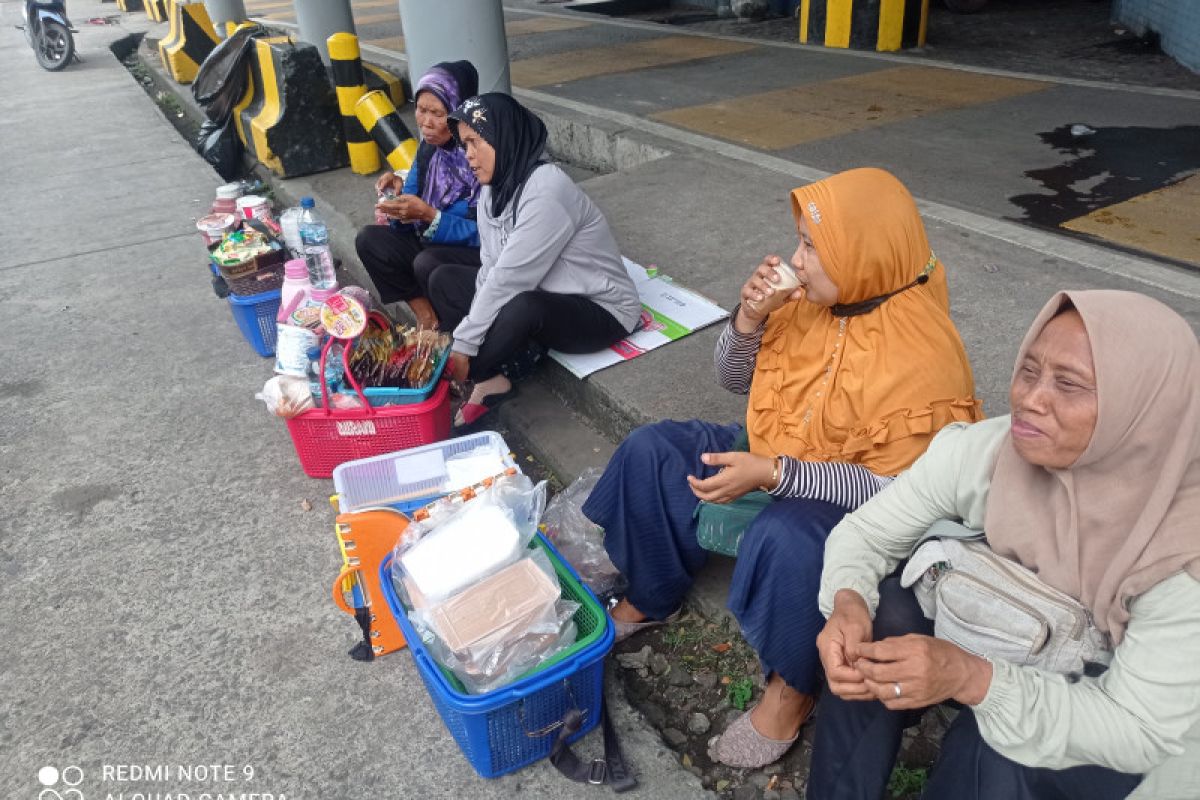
(846, 485)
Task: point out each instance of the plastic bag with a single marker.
(286, 396)
(472, 466)
(580, 540)
(219, 145)
(465, 542)
(221, 80)
(502, 627)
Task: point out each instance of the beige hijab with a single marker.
(1126, 515)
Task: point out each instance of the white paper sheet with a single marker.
(669, 312)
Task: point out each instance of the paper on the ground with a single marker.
(669, 312)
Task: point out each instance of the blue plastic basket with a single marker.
(255, 316)
(388, 395)
(514, 726)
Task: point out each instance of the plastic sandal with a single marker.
(470, 413)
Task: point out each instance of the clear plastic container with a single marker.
(295, 282)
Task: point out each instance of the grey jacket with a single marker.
(561, 243)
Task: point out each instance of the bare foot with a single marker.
(625, 611)
(782, 710)
(498, 384)
(422, 309)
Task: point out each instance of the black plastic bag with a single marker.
(221, 79)
(220, 146)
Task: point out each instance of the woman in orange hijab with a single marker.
(849, 375)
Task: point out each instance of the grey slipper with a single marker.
(743, 747)
(623, 630)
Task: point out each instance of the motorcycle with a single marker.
(48, 32)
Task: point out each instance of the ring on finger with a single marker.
(896, 686)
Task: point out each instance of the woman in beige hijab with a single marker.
(1093, 483)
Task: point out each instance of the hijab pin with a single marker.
(814, 212)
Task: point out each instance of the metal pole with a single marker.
(320, 19)
(223, 11)
(461, 29)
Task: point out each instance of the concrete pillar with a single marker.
(224, 11)
(461, 29)
(883, 25)
(320, 19)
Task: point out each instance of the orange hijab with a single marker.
(870, 389)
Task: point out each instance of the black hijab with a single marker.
(517, 136)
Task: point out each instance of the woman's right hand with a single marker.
(389, 180)
(760, 297)
(849, 626)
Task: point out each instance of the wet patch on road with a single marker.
(1115, 166)
(80, 500)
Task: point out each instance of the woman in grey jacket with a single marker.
(551, 270)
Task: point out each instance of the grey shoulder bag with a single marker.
(994, 607)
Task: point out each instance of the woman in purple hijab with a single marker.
(431, 210)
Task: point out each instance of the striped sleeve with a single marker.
(846, 485)
(735, 356)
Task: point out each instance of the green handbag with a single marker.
(719, 526)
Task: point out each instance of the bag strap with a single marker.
(947, 529)
(611, 770)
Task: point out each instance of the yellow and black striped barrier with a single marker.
(129, 5)
(190, 39)
(380, 79)
(288, 118)
(884, 25)
(345, 63)
(381, 120)
(156, 9)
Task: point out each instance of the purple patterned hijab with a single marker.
(446, 177)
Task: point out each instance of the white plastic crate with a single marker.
(409, 479)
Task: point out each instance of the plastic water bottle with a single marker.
(315, 236)
(333, 365)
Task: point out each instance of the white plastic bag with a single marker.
(462, 542)
(502, 627)
(286, 396)
(580, 540)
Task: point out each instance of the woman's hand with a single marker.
(389, 181)
(459, 366)
(926, 669)
(839, 644)
(740, 473)
(407, 208)
(760, 297)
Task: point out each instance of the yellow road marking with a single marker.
(254, 8)
(387, 16)
(1165, 222)
(789, 117)
(390, 43)
(542, 25)
(593, 61)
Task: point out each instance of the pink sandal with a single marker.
(470, 413)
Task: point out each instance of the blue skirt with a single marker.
(647, 509)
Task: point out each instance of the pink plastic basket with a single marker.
(325, 438)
